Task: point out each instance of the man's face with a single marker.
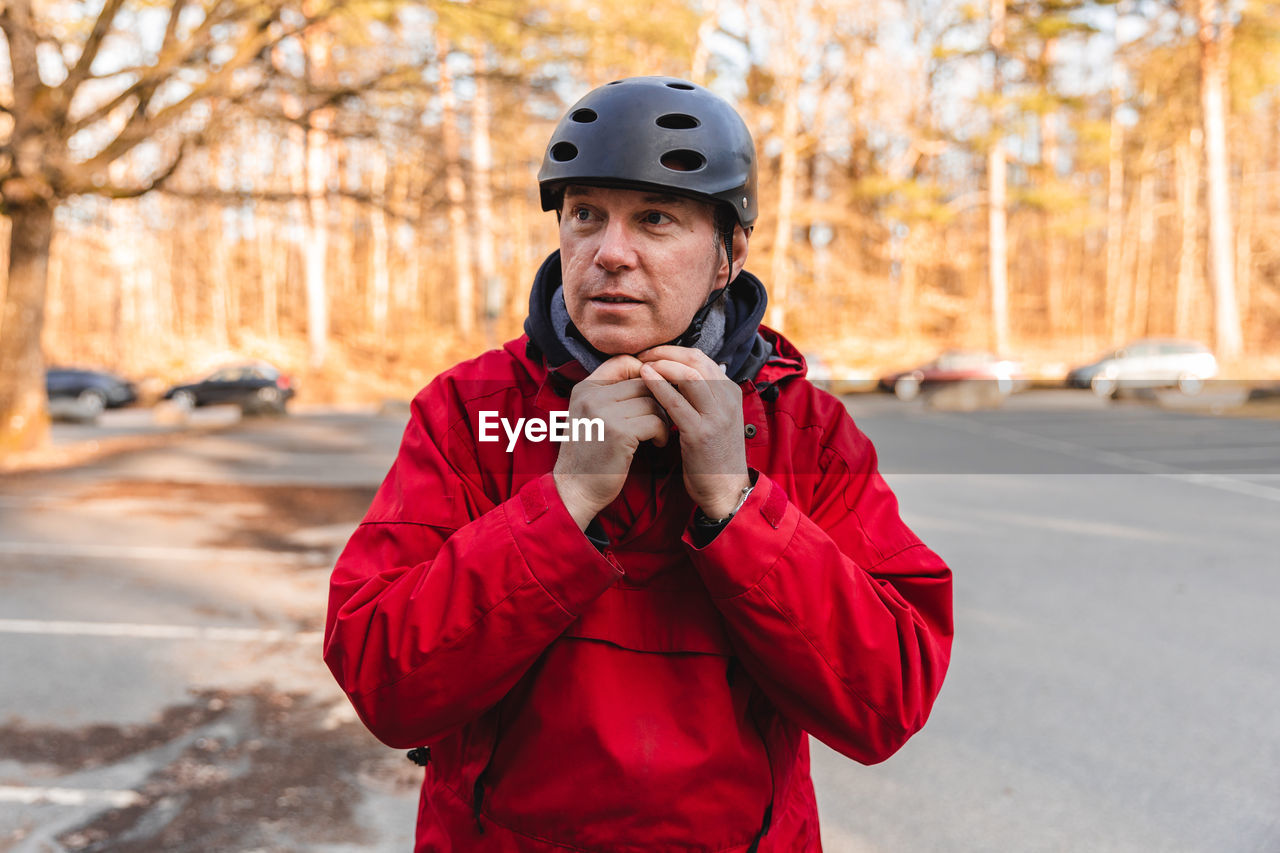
(637, 265)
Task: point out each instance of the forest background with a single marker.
(347, 189)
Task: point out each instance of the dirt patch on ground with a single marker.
(93, 746)
(285, 780)
(272, 513)
(54, 458)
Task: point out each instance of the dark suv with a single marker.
(256, 388)
(83, 394)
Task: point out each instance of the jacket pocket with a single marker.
(674, 619)
(630, 734)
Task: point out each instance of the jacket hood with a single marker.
(745, 350)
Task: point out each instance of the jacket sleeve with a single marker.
(442, 599)
(841, 614)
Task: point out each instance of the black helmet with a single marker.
(659, 132)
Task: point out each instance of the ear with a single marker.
(741, 236)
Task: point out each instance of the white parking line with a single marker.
(159, 552)
(155, 632)
(68, 796)
(1114, 459)
(1259, 454)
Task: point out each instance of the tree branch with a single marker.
(18, 25)
(272, 197)
(168, 60)
(118, 192)
(185, 54)
(92, 45)
(141, 126)
(171, 27)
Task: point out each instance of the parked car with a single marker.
(83, 393)
(817, 371)
(255, 388)
(1147, 363)
(835, 378)
(956, 365)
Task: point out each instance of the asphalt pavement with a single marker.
(1113, 684)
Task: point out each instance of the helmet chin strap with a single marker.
(690, 336)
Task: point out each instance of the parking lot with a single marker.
(1112, 687)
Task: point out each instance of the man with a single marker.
(619, 639)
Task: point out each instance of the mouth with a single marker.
(615, 299)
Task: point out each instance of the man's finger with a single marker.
(690, 383)
(637, 407)
(682, 413)
(695, 358)
(616, 369)
(652, 428)
(627, 389)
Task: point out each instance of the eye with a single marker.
(581, 214)
(655, 217)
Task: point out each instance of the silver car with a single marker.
(1148, 363)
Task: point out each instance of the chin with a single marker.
(629, 345)
(619, 342)
(613, 346)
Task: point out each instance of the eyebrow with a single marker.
(653, 198)
(665, 198)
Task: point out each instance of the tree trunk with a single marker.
(1049, 154)
(459, 234)
(1115, 215)
(482, 190)
(272, 263)
(1187, 155)
(1249, 183)
(909, 269)
(781, 273)
(526, 256)
(316, 256)
(380, 292)
(1215, 47)
(24, 414)
(216, 273)
(347, 284)
(1146, 255)
(997, 197)
(316, 166)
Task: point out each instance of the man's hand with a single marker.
(706, 406)
(590, 474)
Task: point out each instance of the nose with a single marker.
(616, 251)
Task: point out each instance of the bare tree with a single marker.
(455, 188)
(1215, 58)
(997, 192)
(210, 49)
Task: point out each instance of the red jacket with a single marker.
(653, 695)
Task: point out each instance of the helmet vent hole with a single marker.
(683, 160)
(563, 152)
(678, 121)
(683, 86)
(584, 116)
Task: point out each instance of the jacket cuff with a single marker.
(559, 556)
(762, 528)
